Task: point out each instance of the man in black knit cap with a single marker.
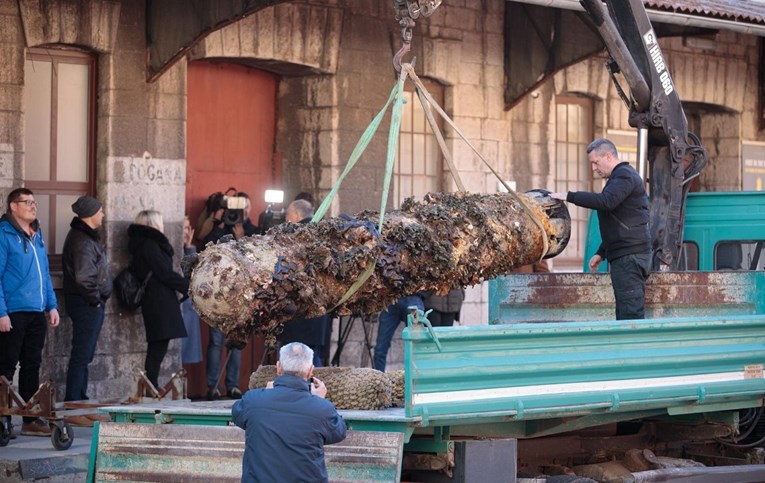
(87, 286)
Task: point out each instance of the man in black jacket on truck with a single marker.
(622, 209)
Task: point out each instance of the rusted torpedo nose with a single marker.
(559, 221)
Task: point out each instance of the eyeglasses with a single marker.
(29, 203)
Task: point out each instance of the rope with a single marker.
(361, 145)
(410, 70)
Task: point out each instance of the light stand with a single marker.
(271, 217)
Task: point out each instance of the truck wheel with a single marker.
(61, 440)
(5, 430)
(568, 479)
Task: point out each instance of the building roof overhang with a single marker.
(549, 35)
(740, 16)
(537, 22)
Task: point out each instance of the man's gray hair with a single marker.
(301, 208)
(603, 146)
(296, 359)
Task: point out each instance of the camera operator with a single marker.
(207, 217)
(229, 219)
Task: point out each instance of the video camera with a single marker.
(233, 213)
(232, 206)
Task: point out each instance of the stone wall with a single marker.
(140, 156)
(11, 98)
(141, 165)
(717, 83)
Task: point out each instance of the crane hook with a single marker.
(406, 12)
(400, 55)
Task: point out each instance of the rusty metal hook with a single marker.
(400, 55)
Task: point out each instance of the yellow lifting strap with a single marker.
(397, 100)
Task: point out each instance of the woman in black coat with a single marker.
(151, 251)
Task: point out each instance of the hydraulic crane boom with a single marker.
(675, 156)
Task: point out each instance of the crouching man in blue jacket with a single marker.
(287, 425)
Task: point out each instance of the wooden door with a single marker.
(230, 131)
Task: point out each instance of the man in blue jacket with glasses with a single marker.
(26, 294)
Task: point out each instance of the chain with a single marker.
(407, 11)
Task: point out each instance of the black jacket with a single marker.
(622, 212)
(449, 303)
(311, 332)
(86, 268)
(161, 308)
(217, 232)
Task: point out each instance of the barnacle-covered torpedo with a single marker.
(303, 270)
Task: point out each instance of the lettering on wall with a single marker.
(154, 172)
(140, 183)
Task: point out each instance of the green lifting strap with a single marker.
(396, 98)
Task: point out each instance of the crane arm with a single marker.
(675, 156)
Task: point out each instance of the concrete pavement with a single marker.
(33, 458)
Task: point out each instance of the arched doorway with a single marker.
(231, 124)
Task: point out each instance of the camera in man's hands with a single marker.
(233, 209)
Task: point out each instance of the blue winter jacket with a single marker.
(25, 284)
(286, 429)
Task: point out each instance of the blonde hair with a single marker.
(150, 218)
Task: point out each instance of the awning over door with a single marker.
(174, 26)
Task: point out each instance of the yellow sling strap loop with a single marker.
(393, 135)
(397, 99)
(410, 70)
(361, 145)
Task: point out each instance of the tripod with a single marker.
(345, 324)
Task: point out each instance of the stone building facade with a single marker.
(333, 65)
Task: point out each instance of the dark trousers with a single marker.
(155, 353)
(86, 326)
(441, 319)
(387, 325)
(23, 345)
(214, 356)
(628, 276)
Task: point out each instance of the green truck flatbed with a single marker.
(699, 358)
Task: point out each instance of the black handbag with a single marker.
(129, 289)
